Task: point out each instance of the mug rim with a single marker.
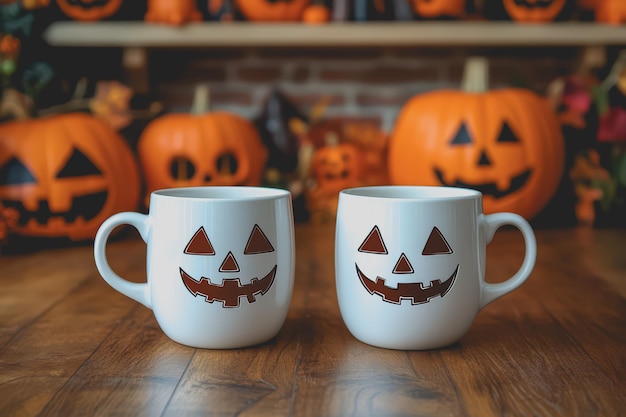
(412, 192)
(215, 193)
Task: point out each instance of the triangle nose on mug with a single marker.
(229, 264)
(403, 266)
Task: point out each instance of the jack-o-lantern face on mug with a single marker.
(64, 175)
(505, 143)
(179, 150)
(225, 282)
(89, 10)
(405, 265)
(533, 10)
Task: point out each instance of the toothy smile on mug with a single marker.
(220, 263)
(410, 263)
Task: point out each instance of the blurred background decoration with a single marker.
(541, 131)
(506, 143)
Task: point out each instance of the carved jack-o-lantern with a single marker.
(172, 12)
(218, 148)
(336, 167)
(417, 292)
(225, 283)
(504, 143)
(65, 175)
(89, 10)
(438, 8)
(273, 10)
(534, 10)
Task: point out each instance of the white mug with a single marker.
(410, 263)
(220, 263)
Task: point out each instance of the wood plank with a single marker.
(338, 34)
(135, 368)
(46, 351)
(555, 347)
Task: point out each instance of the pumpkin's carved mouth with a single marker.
(230, 290)
(537, 3)
(87, 4)
(86, 206)
(414, 291)
(489, 188)
(332, 176)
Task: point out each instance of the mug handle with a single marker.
(491, 223)
(136, 291)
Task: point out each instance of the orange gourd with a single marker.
(505, 143)
(172, 12)
(335, 167)
(610, 11)
(89, 10)
(438, 8)
(64, 175)
(272, 11)
(316, 14)
(534, 10)
(199, 149)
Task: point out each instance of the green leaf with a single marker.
(601, 98)
(619, 166)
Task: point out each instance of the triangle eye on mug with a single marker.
(398, 286)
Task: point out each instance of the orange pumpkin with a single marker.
(172, 12)
(505, 143)
(335, 167)
(534, 10)
(89, 10)
(217, 148)
(610, 11)
(316, 14)
(438, 8)
(272, 10)
(64, 175)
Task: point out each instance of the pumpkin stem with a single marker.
(475, 75)
(201, 99)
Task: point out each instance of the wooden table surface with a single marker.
(72, 346)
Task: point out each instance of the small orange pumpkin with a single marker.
(316, 14)
(89, 10)
(505, 143)
(217, 148)
(610, 11)
(438, 8)
(335, 167)
(64, 175)
(534, 10)
(272, 10)
(172, 12)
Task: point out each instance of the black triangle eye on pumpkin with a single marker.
(257, 242)
(373, 243)
(14, 172)
(436, 244)
(507, 135)
(462, 136)
(78, 165)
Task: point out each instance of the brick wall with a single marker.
(371, 83)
